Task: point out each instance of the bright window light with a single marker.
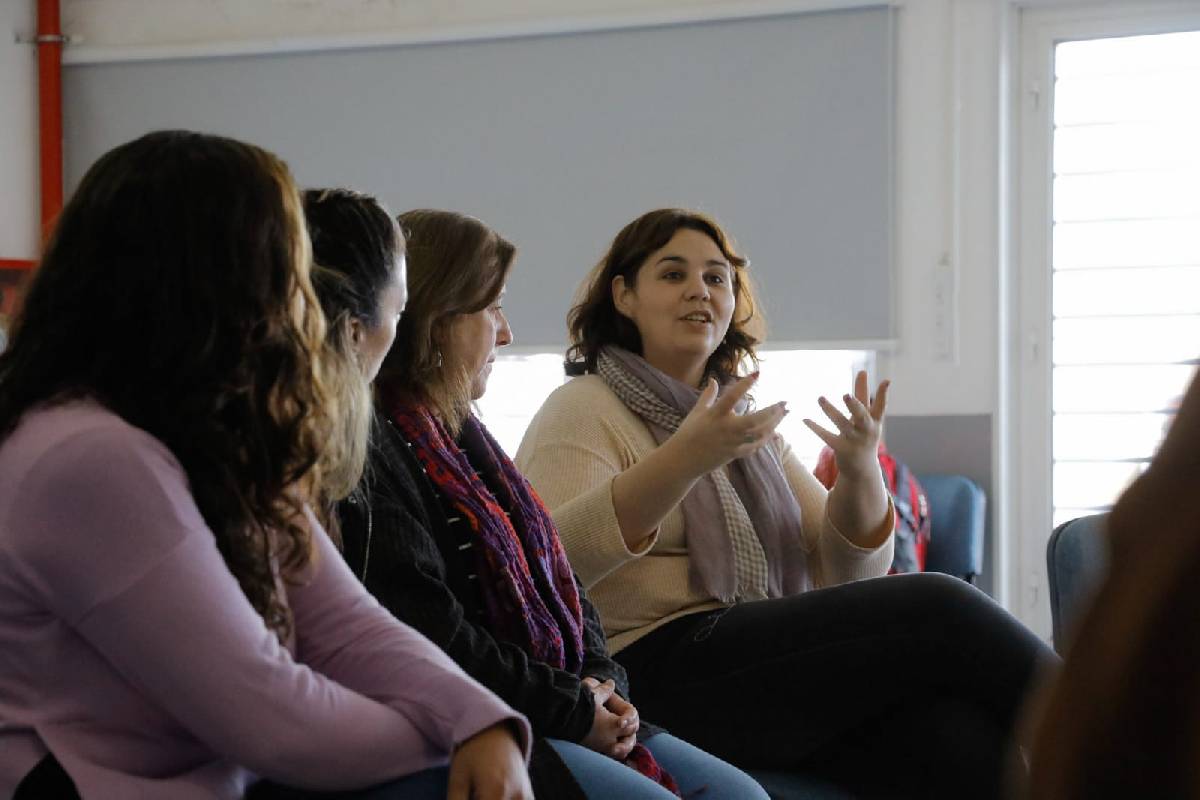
(519, 384)
(800, 377)
(1126, 257)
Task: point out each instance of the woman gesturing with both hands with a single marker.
(714, 434)
(731, 585)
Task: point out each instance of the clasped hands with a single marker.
(615, 724)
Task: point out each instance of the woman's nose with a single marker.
(504, 334)
(697, 289)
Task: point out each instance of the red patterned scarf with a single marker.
(528, 588)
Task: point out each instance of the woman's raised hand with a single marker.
(856, 443)
(715, 434)
(709, 437)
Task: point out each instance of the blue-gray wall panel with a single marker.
(781, 126)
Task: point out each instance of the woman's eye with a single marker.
(672, 275)
(716, 279)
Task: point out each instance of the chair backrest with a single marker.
(957, 515)
(1076, 562)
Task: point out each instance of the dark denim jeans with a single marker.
(902, 686)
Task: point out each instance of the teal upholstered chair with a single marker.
(958, 517)
(1076, 562)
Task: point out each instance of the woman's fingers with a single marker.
(831, 439)
(762, 424)
(601, 692)
(755, 429)
(627, 713)
(489, 766)
(764, 416)
(623, 747)
(862, 388)
(879, 404)
(835, 416)
(858, 412)
(732, 395)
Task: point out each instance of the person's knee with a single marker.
(937, 585)
(740, 785)
(720, 780)
(695, 770)
(600, 776)
(939, 594)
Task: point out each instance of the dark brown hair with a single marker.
(456, 265)
(175, 291)
(355, 244)
(595, 322)
(1122, 717)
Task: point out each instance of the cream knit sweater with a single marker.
(582, 438)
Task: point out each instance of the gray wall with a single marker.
(952, 445)
(781, 126)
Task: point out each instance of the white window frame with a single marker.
(1029, 501)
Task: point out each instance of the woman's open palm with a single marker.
(856, 443)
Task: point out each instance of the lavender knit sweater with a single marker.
(128, 650)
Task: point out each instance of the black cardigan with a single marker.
(419, 566)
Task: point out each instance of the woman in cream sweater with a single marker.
(729, 582)
(444, 531)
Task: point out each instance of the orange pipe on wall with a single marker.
(50, 127)
(13, 271)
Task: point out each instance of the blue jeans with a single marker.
(693, 769)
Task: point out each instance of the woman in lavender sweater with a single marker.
(174, 621)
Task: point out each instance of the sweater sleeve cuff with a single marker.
(580, 724)
(851, 562)
(517, 725)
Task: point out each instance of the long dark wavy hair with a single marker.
(595, 322)
(456, 265)
(175, 291)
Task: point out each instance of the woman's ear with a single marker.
(623, 296)
(357, 331)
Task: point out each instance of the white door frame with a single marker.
(1027, 398)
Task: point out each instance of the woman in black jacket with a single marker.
(450, 537)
